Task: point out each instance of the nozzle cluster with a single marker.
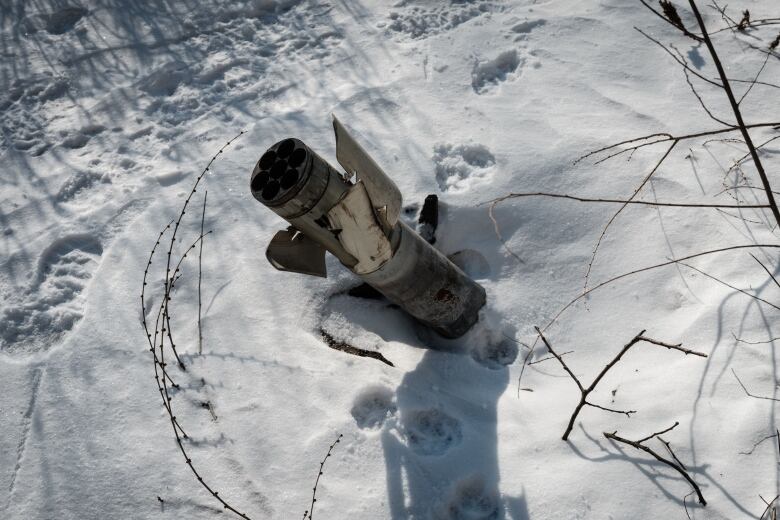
(280, 168)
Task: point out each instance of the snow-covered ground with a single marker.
(111, 108)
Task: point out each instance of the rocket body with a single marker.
(355, 218)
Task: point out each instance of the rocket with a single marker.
(354, 215)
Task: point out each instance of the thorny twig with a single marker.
(585, 392)
(619, 201)
(626, 275)
(674, 464)
(737, 113)
(200, 276)
(307, 515)
(162, 326)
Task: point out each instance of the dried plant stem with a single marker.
(157, 339)
(674, 464)
(663, 137)
(495, 201)
(748, 393)
(711, 277)
(585, 392)
(737, 113)
(649, 268)
(200, 276)
(620, 210)
(307, 515)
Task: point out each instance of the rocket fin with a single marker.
(291, 250)
(381, 189)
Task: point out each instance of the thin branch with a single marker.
(678, 60)
(497, 230)
(669, 449)
(163, 325)
(620, 210)
(621, 201)
(550, 357)
(656, 434)
(663, 137)
(755, 297)
(758, 443)
(584, 392)
(768, 506)
(307, 515)
(740, 340)
(696, 92)
(754, 81)
(748, 393)
(767, 270)
(649, 268)
(737, 113)
(200, 276)
(676, 23)
(674, 465)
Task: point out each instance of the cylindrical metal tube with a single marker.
(428, 286)
(301, 187)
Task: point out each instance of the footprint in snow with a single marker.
(54, 302)
(473, 500)
(373, 406)
(55, 22)
(488, 74)
(523, 29)
(423, 19)
(459, 166)
(431, 432)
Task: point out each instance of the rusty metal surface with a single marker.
(428, 286)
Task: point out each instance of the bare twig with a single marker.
(200, 275)
(756, 445)
(550, 357)
(737, 112)
(754, 81)
(674, 464)
(768, 507)
(621, 201)
(163, 325)
(586, 391)
(649, 268)
(748, 393)
(670, 16)
(308, 514)
(766, 269)
(740, 340)
(497, 230)
(695, 92)
(711, 277)
(678, 60)
(662, 137)
(620, 210)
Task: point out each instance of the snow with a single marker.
(111, 109)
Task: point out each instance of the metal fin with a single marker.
(290, 250)
(381, 189)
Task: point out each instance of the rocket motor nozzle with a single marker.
(279, 171)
